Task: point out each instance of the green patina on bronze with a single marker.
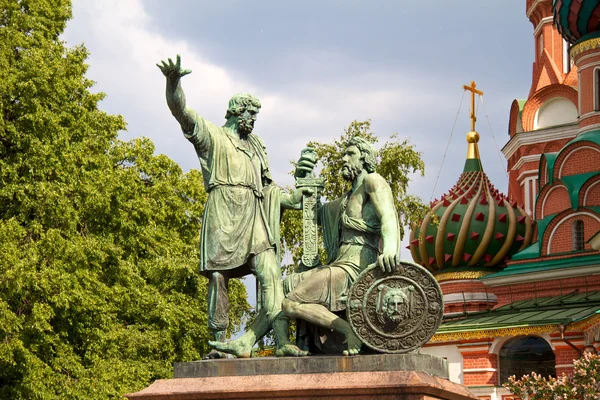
(240, 225)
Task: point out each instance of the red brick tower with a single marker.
(547, 119)
(541, 309)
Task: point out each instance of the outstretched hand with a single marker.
(172, 70)
(387, 262)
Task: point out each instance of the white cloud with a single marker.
(125, 48)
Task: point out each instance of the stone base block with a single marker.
(347, 378)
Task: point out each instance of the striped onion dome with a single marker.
(576, 19)
(471, 227)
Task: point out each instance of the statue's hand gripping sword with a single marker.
(310, 243)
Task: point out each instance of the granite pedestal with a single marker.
(381, 376)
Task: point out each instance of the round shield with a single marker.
(395, 312)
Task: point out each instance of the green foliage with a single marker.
(397, 160)
(583, 384)
(99, 289)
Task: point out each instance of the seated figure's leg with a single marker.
(298, 305)
(268, 274)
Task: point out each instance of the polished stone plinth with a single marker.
(383, 376)
(427, 363)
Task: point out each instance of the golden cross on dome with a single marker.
(473, 93)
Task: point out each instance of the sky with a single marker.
(317, 65)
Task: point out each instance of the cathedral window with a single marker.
(578, 235)
(526, 354)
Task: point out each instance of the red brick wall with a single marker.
(481, 360)
(586, 79)
(553, 199)
(558, 237)
(513, 117)
(556, 287)
(542, 96)
(470, 285)
(582, 159)
(589, 195)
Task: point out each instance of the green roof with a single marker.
(592, 136)
(473, 164)
(550, 158)
(572, 307)
(578, 259)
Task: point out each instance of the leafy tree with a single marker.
(583, 384)
(99, 289)
(397, 160)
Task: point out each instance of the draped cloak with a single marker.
(351, 244)
(234, 224)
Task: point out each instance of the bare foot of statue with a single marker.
(237, 347)
(214, 354)
(354, 344)
(290, 350)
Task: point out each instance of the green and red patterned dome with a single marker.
(577, 19)
(473, 226)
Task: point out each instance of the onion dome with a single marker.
(577, 19)
(473, 226)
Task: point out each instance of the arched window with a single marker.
(578, 235)
(524, 355)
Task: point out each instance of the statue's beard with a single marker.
(397, 316)
(245, 126)
(350, 172)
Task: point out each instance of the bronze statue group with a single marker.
(240, 226)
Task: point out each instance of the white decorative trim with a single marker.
(481, 344)
(529, 277)
(588, 128)
(593, 55)
(543, 214)
(528, 172)
(564, 365)
(474, 349)
(526, 159)
(586, 115)
(574, 152)
(543, 22)
(566, 131)
(468, 370)
(526, 194)
(458, 297)
(499, 342)
(535, 3)
(566, 58)
(529, 189)
(566, 217)
(586, 192)
(594, 64)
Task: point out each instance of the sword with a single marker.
(310, 231)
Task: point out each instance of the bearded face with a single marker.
(396, 306)
(245, 125)
(353, 163)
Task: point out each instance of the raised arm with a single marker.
(382, 199)
(175, 96)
